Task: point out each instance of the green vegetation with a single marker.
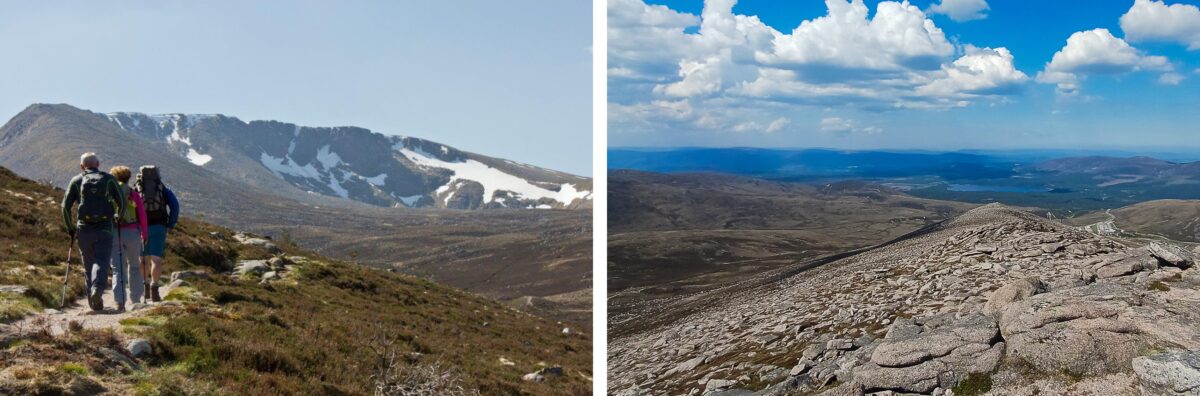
(1158, 286)
(974, 384)
(327, 327)
(322, 334)
(73, 368)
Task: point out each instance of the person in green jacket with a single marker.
(100, 205)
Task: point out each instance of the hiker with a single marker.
(162, 212)
(131, 235)
(100, 205)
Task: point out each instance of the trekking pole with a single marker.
(124, 273)
(67, 275)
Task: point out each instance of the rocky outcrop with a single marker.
(1012, 292)
(1169, 373)
(1079, 330)
(996, 294)
(1171, 255)
(918, 356)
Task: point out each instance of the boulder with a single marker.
(1076, 279)
(840, 344)
(1078, 330)
(533, 377)
(1170, 254)
(278, 263)
(690, 364)
(188, 275)
(935, 352)
(845, 389)
(1170, 373)
(813, 350)
(717, 384)
(1015, 291)
(1127, 264)
(14, 289)
(255, 241)
(139, 347)
(252, 267)
(116, 359)
(552, 371)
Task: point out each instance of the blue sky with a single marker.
(837, 83)
(507, 79)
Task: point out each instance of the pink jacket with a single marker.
(141, 214)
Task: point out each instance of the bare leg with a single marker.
(156, 268)
(144, 261)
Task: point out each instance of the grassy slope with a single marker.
(1175, 219)
(310, 333)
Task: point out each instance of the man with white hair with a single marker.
(100, 204)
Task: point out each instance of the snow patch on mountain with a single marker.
(285, 166)
(411, 200)
(376, 181)
(179, 124)
(492, 179)
(328, 159)
(336, 186)
(196, 158)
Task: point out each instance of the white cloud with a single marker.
(1096, 51)
(1151, 20)
(738, 74)
(842, 126)
(899, 37)
(979, 71)
(778, 124)
(1171, 78)
(961, 10)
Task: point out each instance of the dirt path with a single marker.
(78, 311)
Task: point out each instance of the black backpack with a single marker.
(150, 186)
(95, 206)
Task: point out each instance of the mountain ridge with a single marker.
(503, 253)
(996, 298)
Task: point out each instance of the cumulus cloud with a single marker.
(1150, 20)
(980, 71)
(743, 74)
(898, 38)
(1096, 51)
(961, 10)
(842, 126)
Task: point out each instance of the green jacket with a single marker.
(115, 196)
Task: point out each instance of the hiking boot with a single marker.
(96, 301)
(121, 307)
(154, 294)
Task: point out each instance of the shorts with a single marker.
(156, 241)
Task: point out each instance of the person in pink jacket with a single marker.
(127, 247)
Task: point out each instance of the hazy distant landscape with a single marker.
(1067, 183)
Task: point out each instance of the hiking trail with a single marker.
(78, 311)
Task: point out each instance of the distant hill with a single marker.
(1176, 219)
(288, 159)
(1066, 186)
(673, 235)
(791, 164)
(500, 252)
